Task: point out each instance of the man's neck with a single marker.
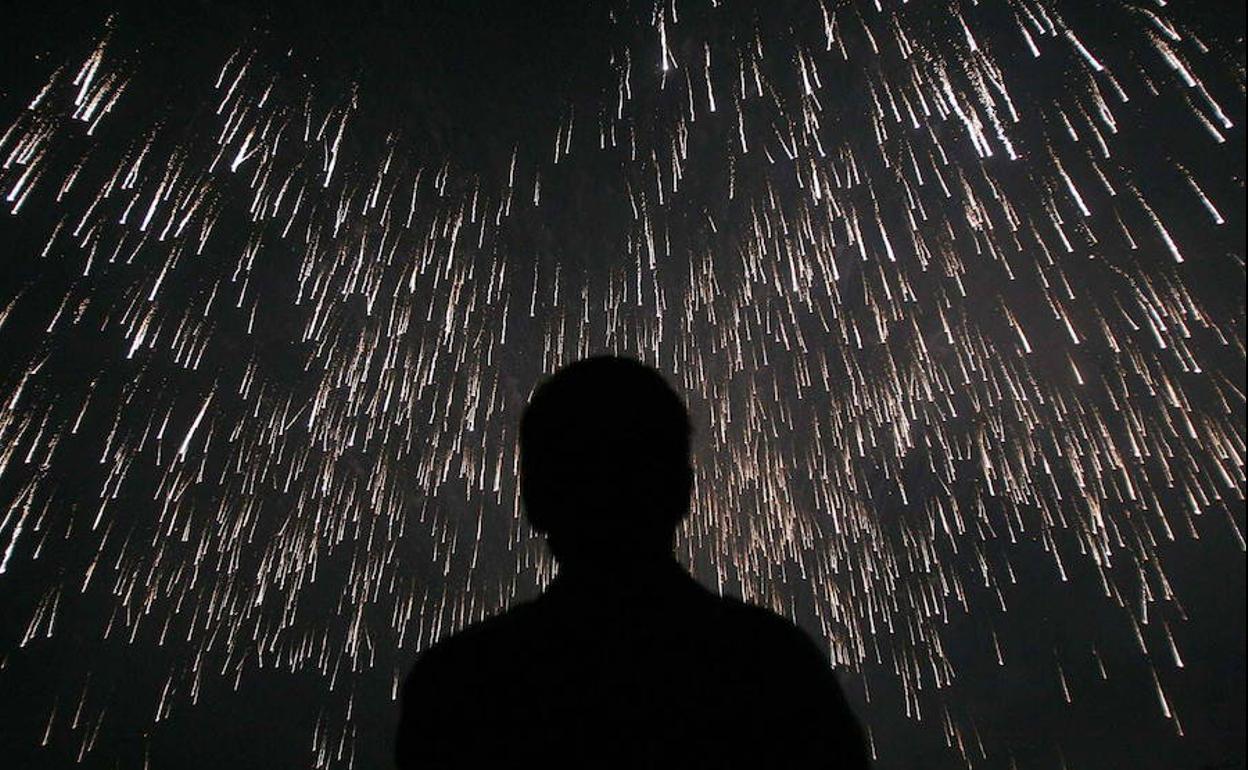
(608, 572)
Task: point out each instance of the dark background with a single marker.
(497, 76)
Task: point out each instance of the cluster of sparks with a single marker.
(919, 318)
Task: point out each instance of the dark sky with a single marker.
(468, 85)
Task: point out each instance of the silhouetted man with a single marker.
(625, 660)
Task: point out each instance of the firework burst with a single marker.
(946, 318)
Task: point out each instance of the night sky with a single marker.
(954, 291)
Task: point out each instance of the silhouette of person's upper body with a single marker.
(625, 660)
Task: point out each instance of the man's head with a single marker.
(604, 461)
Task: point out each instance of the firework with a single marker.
(942, 311)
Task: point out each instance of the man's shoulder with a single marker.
(765, 628)
(466, 647)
